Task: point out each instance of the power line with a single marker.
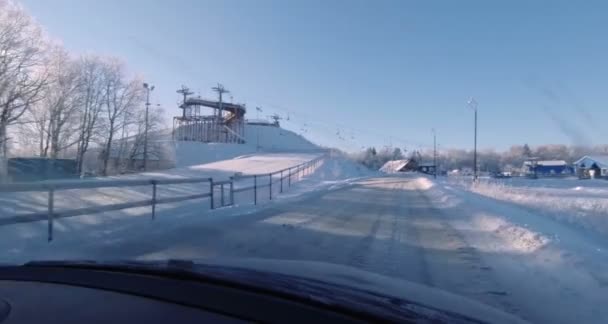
(359, 130)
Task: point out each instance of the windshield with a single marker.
(455, 145)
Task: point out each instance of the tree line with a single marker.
(488, 160)
(57, 105)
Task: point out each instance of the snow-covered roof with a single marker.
(552, 163)
(394, 166)
(548, 163)
(600, 160)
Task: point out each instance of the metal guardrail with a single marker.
(284, 174)
(52, 186)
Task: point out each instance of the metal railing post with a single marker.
(281, 191)
(50, 211)
(153, 199)
(231, 191)
(222, 195)
(211, 192)
(255, 189)
(289, 178)
(270, 186)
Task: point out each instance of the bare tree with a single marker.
(53, 120)
(122, 97)
(136, 142)
(93, 95)
(22, 75)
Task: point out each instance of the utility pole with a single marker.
(473, 105)
(434, 153)
(149, 89)
(220, 91)
(257, 133)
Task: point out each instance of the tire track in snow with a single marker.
(456, 265)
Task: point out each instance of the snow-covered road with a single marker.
(417, 230)
(408, 227)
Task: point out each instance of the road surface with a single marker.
(406, 227)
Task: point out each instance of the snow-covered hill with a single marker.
(258, 138)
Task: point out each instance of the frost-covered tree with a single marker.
(123, 97)
(22, 70)
(50, 123)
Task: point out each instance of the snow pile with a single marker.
(514, 238)
(580, 202)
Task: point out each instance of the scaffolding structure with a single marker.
(225, 125)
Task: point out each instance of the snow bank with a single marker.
(580, 202)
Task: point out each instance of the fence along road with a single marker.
(220, 193)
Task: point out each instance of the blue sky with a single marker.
(376, 72)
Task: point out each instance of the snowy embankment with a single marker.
(580, 202)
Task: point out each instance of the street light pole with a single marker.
(148, 88)
(473, 104)
(257, 133)
(434, 154)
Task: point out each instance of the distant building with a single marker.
(395, 166)
(547, 168)
(592, 166)
(426, 167)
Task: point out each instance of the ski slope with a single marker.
(258, 138)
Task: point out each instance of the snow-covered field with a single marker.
(581, 203)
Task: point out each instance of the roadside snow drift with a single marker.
(579, 202)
